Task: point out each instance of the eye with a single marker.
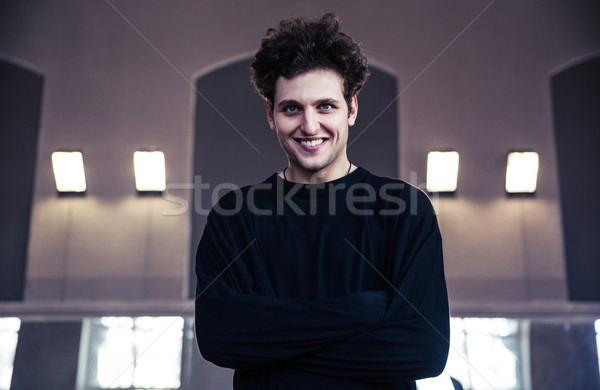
(326, 107)
(290, 109)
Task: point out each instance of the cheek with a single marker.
(340, 126)
(286, 125)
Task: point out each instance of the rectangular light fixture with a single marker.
(68, 171)
(149, 169)
(442, 171)
(522, 172)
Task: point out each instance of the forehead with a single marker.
(314, 84)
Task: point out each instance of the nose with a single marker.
(310, 123)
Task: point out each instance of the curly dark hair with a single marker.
(300, 45)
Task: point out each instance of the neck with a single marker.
(299, 175)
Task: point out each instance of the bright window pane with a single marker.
(457, 365)
(597, 325)
(484, 353)
(161, 340)
(9, 332)
(140, 352)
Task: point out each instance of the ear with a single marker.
(353, 113)
(270, 116)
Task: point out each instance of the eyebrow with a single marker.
(295, 102)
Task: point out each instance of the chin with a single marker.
(312, 166)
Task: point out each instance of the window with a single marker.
(597, 326)
(491, 348)
(131, 353)
(9, 333)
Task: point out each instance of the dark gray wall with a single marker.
(576, 100)
(563, 356)
(20, 105)
(46, 356)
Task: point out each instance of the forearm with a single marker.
(253, 331)
(389, 353)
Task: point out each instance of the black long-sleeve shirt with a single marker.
(323, 286)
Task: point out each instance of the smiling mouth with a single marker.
(311, 142)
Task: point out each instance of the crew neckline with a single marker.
(318, 189)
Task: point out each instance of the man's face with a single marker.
(311, 119)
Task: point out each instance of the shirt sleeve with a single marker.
(412, 340)
(236, 327)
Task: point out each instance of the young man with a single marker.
(324, 276)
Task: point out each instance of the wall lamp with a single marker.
(149, 167)
(522, 172)
(69, 174)
(442, 171)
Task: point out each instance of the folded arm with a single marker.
(412, 341)
(239, 328)
(244, 331)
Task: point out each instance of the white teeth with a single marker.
(313, 142)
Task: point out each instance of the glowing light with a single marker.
(149, 171)
(68, 171)
(442, 171)
(522, 172)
